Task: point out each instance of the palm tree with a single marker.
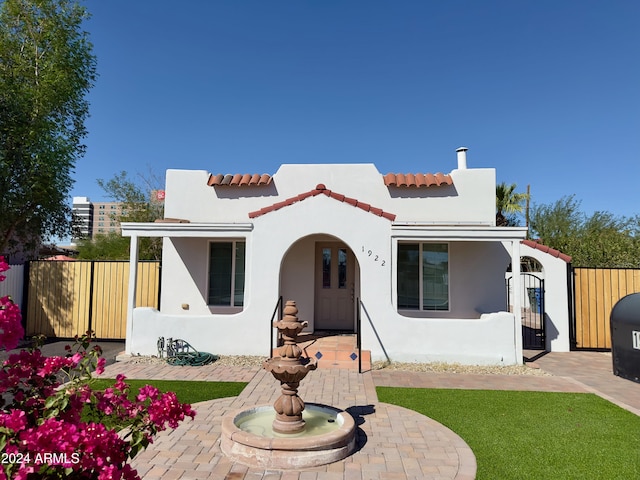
(508, 203)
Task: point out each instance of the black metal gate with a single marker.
(532, 314)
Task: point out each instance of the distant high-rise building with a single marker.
(101, 218)
(94, 218)
(105, 217)
(83, 218)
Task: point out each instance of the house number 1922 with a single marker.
(373, 256)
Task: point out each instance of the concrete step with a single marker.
(347, 359)
(343, 359)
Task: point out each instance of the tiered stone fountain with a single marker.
(289, 434)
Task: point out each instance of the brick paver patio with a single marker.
(393, 443)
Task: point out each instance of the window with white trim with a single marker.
(423, 276)
(226, 273)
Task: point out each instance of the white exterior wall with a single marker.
(464, 202)
(280, 259)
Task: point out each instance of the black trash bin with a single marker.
(625, 337)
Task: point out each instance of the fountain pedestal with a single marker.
(289, 368)
(288, 443)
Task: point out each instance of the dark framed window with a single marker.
(226, 273)
(423, 276)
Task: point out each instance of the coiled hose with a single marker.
(180, 352)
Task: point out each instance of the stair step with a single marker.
(346, 359)
(333, 351)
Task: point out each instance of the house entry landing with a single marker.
(334, 350)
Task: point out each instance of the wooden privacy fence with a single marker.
(66, 298)
(596, 291)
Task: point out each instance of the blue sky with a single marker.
(545, 91)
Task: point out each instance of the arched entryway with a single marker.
(321, 273)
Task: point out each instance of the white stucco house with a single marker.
(417, 256)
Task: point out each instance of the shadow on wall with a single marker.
(366, 313)
(551, 332)
(441, 191)
(234, 192)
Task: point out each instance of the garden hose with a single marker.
(194, 359)
(180, 352)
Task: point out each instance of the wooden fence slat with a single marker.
(593, 306)
(56, 299)
(581, 298)
(61, 297)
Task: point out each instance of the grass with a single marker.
(186, 391)
(533, 435)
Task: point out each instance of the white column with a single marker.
(517, 299)
(131, 296)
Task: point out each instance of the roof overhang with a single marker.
(457, 232)
(152, 229)
(398, 230)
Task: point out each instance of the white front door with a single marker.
(334, 287)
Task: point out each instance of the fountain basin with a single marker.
(320, 445)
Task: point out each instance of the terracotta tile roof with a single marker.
(551, 251)
(239, 180)
(322, 190)
(417, 179)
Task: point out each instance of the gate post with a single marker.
(517, 303)
(91, 283)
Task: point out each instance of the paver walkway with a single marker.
(594, 372)
(394, 443)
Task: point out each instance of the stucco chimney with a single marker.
(462, 158)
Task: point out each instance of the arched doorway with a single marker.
(321, 273)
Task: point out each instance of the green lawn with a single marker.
(186, 391)
(533, 435)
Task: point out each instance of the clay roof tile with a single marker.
(390, 179)
(265, 179)
(239, 180)
(417, 179)
(215, 179)
(322, 189)
(544, 248)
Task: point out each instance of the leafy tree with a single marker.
(609, 241)
(46, 70)
(600, 240)
(109, 246)
(138, 204)
(508, 204)
(558, 225)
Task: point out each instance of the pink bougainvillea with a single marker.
(51, 429)
(11, 331)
